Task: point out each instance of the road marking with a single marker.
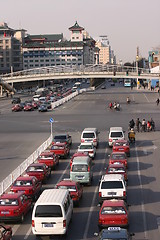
(28, 233)
(142, 203)
(14, 229)
(146, 97)
(93, 200)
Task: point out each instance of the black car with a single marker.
(16, 100)
(115, 233)
(43, 108)
(63, 138)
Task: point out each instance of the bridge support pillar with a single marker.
(1, 90)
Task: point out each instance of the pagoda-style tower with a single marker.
(76, 33)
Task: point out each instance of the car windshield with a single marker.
(35, 169)
(8, 202)
(116, 170)
(88, 135)
(54, 147)
(79, 168)
(116, 134)
(48, 211)
(113, 210)
(120, 144)
(85, 147)
(112, 185)
(118, 156)
(22, 183)
(45, 157)
(70, 188)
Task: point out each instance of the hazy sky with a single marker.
(127, 23)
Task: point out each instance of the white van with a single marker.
(52, 212)
(115, 133)
(90, 135)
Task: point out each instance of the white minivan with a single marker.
(90, 135)
(52, 212)
(115, 133)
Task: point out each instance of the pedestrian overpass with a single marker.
(78, 72)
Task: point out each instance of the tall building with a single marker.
(11, 41)
(53, 49)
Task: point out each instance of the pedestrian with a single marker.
(138, 124)
(144, 125)
(157, 101)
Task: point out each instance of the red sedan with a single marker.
(74, 188)
(40, 170)
(16, 108)
(49, 158)
(118, 157)
(5, 232)
(121, 146)
(14, 206)
(29, 184)
(28, 107)
(78, 154)
(117, 168)
(60, 149)
(113, 213)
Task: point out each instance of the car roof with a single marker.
(117, 165)
(79, 160)
(87, 143)
(37, 164)
(67, 182)
(11, 195)
(119, 234)
(90, 130)
(25, 177)
(112, 177)
(80, 154)
(63, 134)
(115, 129)
(118, 153)
(113, 202)
(47, 153)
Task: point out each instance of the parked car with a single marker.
(29, 184)
(48, 104)
(16, 100)
(113, 213)
(78, 154)
(112, 186)
(62, 138)
(60, 149)
(49, 158)
(35, 105)
(28, 107)
(14, 206)
(16, 108)
(121, 146)
(118, 157)
(5, 232)
(40, 170)
(42, 108)
(75, 189)
(89, 148)
(117, 168)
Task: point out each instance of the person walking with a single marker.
(144, 125)
(138, 124)
(157, 101)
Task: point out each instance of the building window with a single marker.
(36, 60)
(36, 65)
(42, 65)
(42, 60)
(47, 60)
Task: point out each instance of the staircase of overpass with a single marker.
(80, 72)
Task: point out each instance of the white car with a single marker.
(88, 148)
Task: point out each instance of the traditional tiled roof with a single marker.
(45, 38)
(76, 27)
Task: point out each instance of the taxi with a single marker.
(118, 157)
(75, 189)
(121, 146)
(117, 168)
(113, 213)
(14, 206)
(49, 158)
(40, 170)
(60, 149)
(114, 233)
(27, 184)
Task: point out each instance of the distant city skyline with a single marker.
(127, 24)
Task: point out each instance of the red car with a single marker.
(40, 170)
(121, 146)
(14, 206)
(74, 188)
(113, 213)
(5, 232)
(117, 168)
(49, 158)
(78, 154)
(28, 107)
(118, 157)
(16, 108)
(35, 105)
(29, 184)
(60, 149)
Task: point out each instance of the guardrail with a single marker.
(8, 181)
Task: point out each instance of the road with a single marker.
(22, 132)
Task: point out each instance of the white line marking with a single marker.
(142, 203)
(92, 205)
(28, 233)
(146, 97)
(14, 229)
